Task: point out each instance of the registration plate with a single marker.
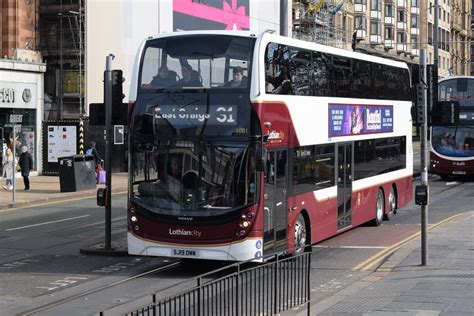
(459, 172)
(186, 252)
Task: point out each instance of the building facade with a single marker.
(21, 79)
(396, 29)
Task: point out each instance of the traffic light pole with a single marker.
(108, 152)
(424, 157)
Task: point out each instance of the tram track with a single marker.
(94, 290)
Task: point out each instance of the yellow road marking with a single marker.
(370, 262)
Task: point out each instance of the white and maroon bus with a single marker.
(452, 146)
(242, 145)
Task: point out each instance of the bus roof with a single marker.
(455, 77)
(291, 42)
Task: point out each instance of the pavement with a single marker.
(46, 189)
(401, 286)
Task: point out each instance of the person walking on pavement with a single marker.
(93, 151)
(8, 169)
(26, 165)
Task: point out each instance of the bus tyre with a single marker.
(392, 205)
(379, 209)
(300, 234)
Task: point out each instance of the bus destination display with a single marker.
(197, 114)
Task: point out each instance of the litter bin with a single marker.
(77, 173)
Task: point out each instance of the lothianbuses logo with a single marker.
(184, 232)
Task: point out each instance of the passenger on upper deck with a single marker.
(239, 80)
(164, 78)
(190, 77)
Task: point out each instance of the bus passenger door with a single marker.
(275, 202)
(344, 185)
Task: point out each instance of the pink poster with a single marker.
(211, 15)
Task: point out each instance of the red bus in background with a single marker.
(242, 145)
(452, 147)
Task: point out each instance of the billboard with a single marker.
(354, 119)
(211, 15)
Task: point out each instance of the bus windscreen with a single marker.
(196, 62)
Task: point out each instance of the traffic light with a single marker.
(418, 110)
(117, 86)
(432, 83)
(119, 109)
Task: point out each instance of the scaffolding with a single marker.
(318, 22)
(62, 45)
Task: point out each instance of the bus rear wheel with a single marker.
(392, 205)
(379, 208)
(300, 234)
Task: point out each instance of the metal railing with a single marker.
(270, 288)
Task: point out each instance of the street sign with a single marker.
(119, 134)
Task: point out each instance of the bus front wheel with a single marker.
(300, 234)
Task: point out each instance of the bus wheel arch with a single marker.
(392, 203)
(302, 232)
(379, 207)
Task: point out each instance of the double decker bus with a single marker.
(452, 146)
(275, 144)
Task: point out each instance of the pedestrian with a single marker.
(91, 150)
(26, 165)
(8, 169)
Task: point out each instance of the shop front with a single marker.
(21, 109)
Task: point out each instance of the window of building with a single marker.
(389, 10)
(360, 22)
(414, 42)
(375, 28)
(402, 16)
(401, 37)
(389, 33)
(414, 21)
(376, 5)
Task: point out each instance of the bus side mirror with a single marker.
(260, 163)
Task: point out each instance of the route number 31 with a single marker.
(225, 115)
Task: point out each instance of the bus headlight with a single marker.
(134, 219)
(244, 224)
